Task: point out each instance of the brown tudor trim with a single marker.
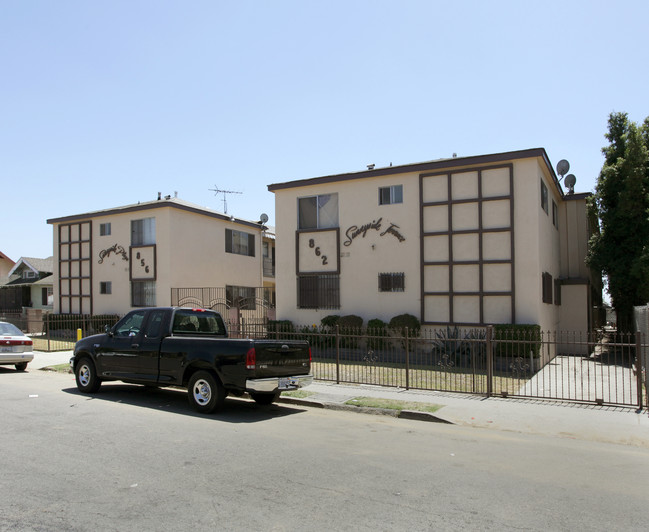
(74, 284)
(480, 231)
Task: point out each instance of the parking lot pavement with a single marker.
(570, 420)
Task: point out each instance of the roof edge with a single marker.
(421, 167)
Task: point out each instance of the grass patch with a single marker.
(298, 394)
(390, 404)
(58, 368)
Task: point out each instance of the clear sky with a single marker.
(105, 103)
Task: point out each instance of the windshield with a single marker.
(7, 329)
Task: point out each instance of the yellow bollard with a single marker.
(78, 334)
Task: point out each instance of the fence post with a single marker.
(407, 361)
(638, 366)
(47, 332)
(337, 354)
(490, 361)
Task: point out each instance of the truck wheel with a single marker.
(86, 376)
(205, 393)
(265, 398)
(22, 366)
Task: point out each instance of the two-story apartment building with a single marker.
(465, 241)
(148, 253)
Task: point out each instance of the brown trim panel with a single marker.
(480, 201)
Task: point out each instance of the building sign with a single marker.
(143, 263)
(375, 225)
(318, 251)
(117, 249)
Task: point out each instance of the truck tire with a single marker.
(205, 392)
(21, 366)
(86, 376)
(265, 399)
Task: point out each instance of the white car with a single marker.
(15, 347)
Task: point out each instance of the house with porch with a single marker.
(28, 284)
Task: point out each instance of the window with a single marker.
(104, 229)
(198, 322)
(106, 287)
(389, 195)
(318, 291)
(547, 288)
(391, 282)
(544, 197)
(29, 274)
(242, 297)
(143, 232)
(318, 212)
(555, 215)
(154, 325)
(239, 242)
(130, 324)
(143, 294)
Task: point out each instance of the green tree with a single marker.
(620, 250)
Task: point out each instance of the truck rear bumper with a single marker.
(276, 384)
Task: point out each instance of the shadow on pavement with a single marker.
(235, 410)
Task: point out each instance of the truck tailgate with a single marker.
(275, 358)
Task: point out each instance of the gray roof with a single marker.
(36, 264)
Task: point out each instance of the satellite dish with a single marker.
(562, 167)
(570, 182)
(263, 217)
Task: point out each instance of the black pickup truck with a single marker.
(190, 348)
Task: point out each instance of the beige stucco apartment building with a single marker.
(466, 241)
(113, 260)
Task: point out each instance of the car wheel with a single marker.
(205, 392)
(265, 399)
(86, 376)
(21, 367)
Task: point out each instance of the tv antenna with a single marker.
(218, 191)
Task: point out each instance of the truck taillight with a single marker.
(251, 358)
(309, 355)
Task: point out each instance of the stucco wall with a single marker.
(189, 253)
(481, 235)
(362, 257)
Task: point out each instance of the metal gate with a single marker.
(246, 310)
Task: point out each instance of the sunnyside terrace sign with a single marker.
(375, 225)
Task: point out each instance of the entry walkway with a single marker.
(575, 378)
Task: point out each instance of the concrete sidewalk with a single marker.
(588, 422)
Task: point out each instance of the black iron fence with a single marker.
(603, 367)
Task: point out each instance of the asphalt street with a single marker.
(135, 459)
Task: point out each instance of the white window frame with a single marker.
(325, 217)
(395, 193)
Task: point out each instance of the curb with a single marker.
(403, 414)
